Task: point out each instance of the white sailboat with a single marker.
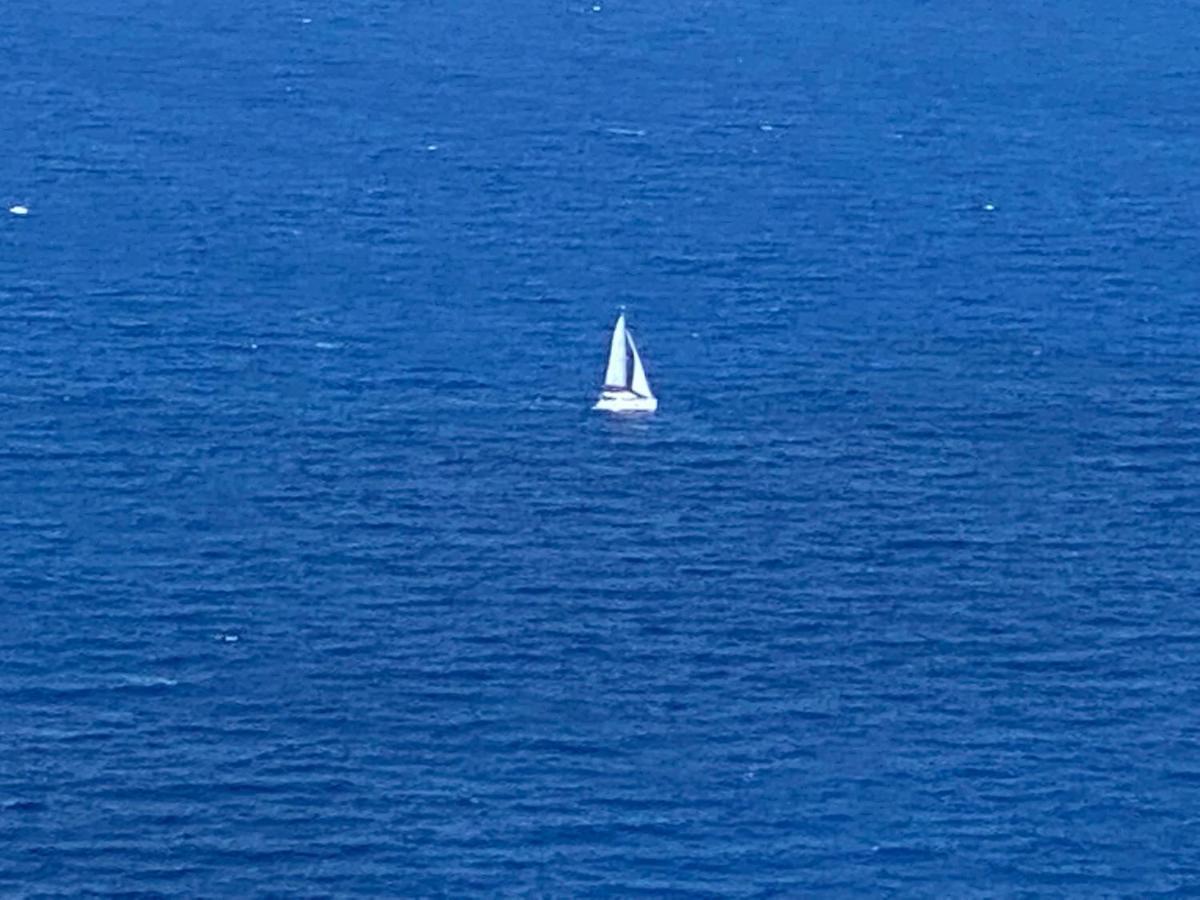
(625, 391)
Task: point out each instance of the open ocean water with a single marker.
(319, 578)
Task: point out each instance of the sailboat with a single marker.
(625, 391)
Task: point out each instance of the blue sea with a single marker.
(319, 576)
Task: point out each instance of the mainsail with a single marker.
(615, 375)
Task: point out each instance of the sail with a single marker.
(639, 385)
(614, 375)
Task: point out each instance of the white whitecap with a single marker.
(145, 681)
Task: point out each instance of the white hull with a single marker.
(625, 401)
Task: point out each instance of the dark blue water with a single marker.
(318, 576)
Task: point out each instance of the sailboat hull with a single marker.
(625, 401)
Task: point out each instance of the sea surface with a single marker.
(319, 577)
